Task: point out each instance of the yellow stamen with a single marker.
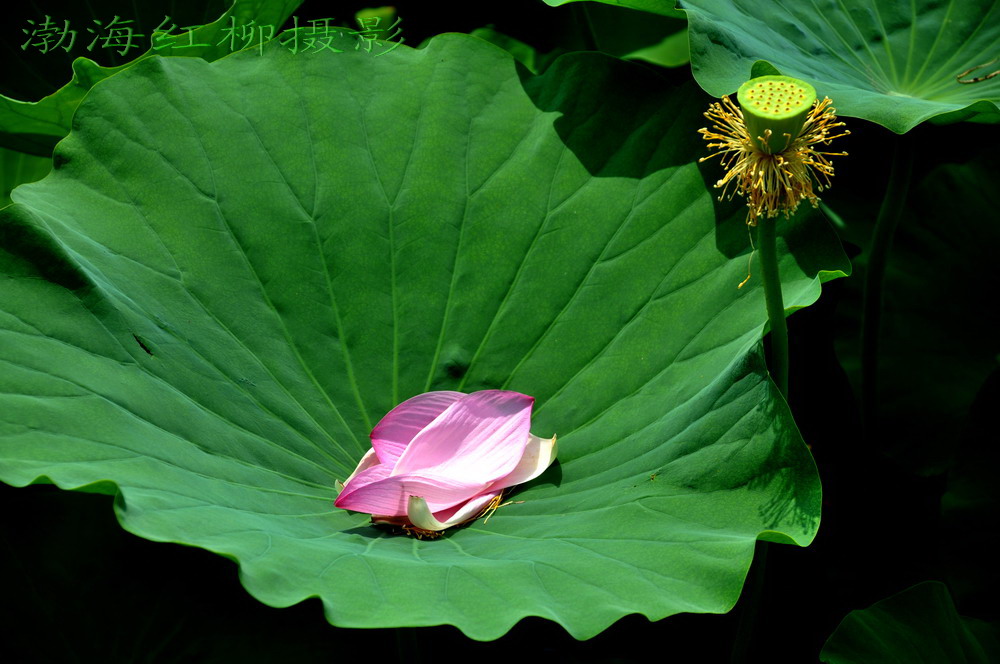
(772, 183)
(422, 534)
(494, 505)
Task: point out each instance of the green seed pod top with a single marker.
(778, 103)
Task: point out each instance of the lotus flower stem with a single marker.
(586, 25)
(767, 246)
(753, 588)
(768, 147)
(407, 645)
(770, 275)
(750, 601)
(878, 256)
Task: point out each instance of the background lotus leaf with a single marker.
(18, 168)
(893, 63)
(919, 625)
(937, 288)
(627, 34)
(664, 7)
(236, 268)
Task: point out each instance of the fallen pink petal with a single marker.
(441, 459)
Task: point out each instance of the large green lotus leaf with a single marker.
(894, 63)
(236, 268)
(917, 626)
(35, 127)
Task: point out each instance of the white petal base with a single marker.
(538, 455)
(421, 516)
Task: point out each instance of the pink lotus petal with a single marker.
(359, 480)
(391, 436)
(375, 491)
(420, 515)
(479, 438)
(367, 461)
(538, 455)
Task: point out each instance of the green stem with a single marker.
(587, 34)
(767, 246)
(753, 592)
(835, 219)
(407, 645)
(878, 257)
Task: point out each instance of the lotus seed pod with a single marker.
(776, 103)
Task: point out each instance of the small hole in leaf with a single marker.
(456, 370)
(142, 345)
